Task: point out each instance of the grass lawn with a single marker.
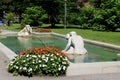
(109, 37)
(13, 27)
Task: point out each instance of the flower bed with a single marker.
(42, 30)
(42, 61)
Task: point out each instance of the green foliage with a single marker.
(97, 3)
(104, 17)
(87, 14)
(108, 4)
(53, 8)
(85, 25)
(74, 18)
(108, 17)
(10, 16)
(98, 27)
(34, 16)
(39, 61)
(83, 17)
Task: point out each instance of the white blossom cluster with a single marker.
(54, 64)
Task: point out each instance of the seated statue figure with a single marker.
(75, 44)
(25, 31)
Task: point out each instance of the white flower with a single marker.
(63, 62)
(39, 56)
(17, 63)
(65, 58)
(43, 56)
(20, 67)
(40, 65)
(39, 61)
(23, 60)
(24, 68)
(48, 54)
(36, 66)
(59, 69)
(30, 69)
(28, 59)
(61, 56)
(53, 64)
(64, 67)
(34, 56)
(44, 65)
(27, 55)
(57, 54)
(11, 64)
(33, 62)
(52, 55)
(46, 59)
(17, 67)
(51, 59)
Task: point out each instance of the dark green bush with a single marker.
(109, 17)
(33, 16)
(83, 17)
(98, 27)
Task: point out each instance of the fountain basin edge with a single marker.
(93, 68)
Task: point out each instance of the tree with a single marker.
(97, 3)
(34, 16)
(108, 17)
(9, 18)
(53, 8)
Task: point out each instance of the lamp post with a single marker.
(65, 13)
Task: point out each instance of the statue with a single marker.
(75, 44)
(25, 31)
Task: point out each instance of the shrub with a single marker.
(98, 27)
(10, 16)
(108, 16)
(42, 61)
(83, 17)
(34, 16)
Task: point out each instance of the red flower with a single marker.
(64, 54)
(36, 49)
(44, 50)
(22, 52)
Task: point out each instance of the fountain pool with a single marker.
(95, 53)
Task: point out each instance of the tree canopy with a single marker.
(89, 14)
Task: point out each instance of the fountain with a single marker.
(75, 44)
(78, 68)
(25, 31)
